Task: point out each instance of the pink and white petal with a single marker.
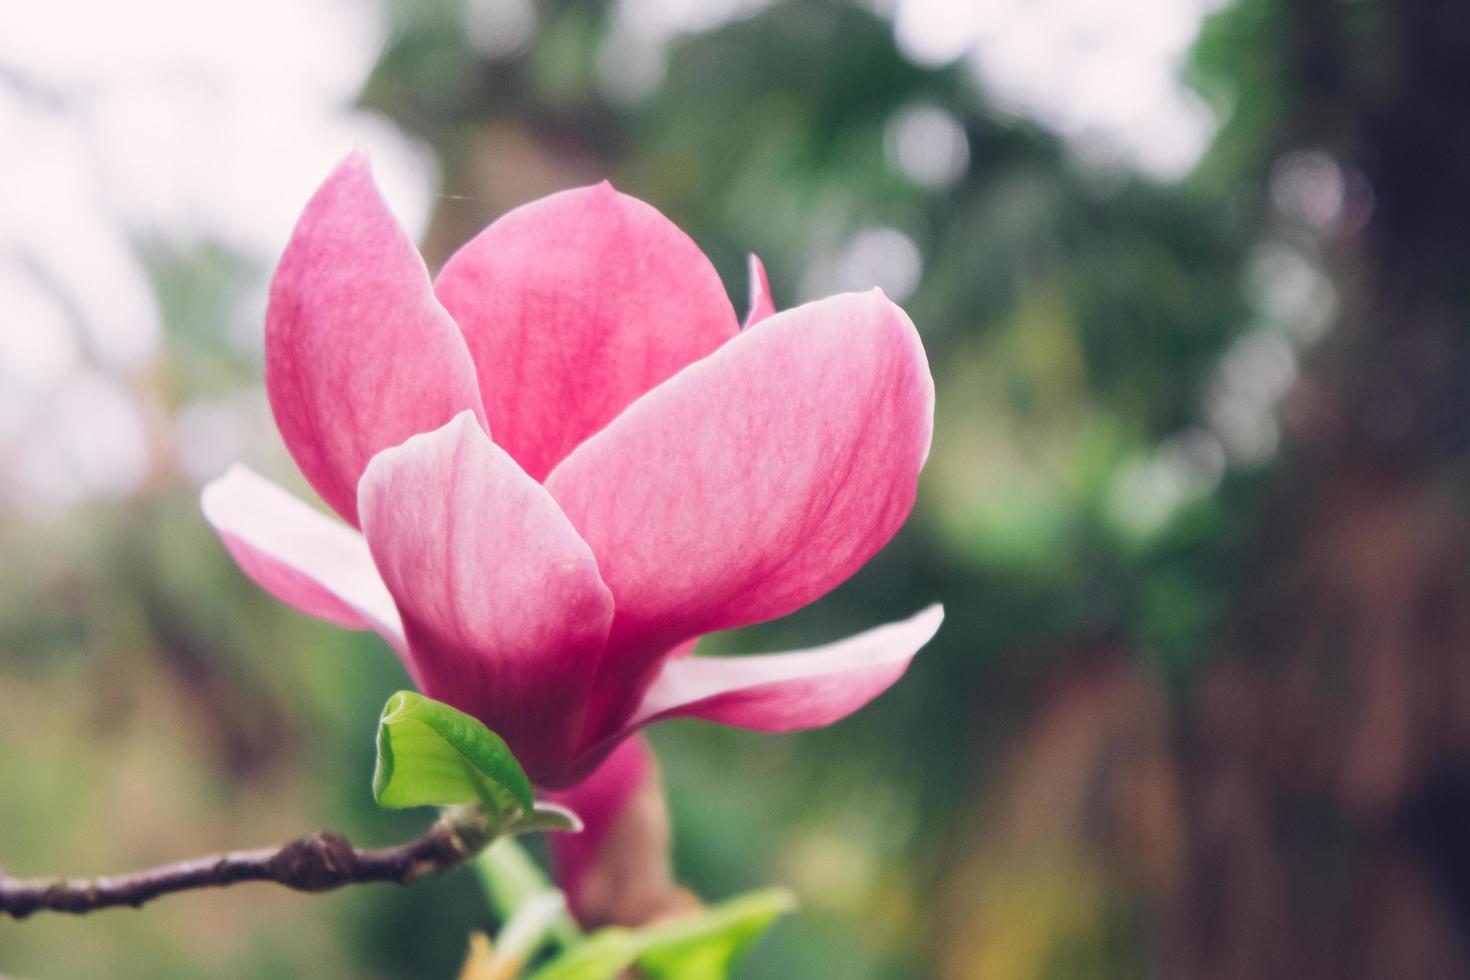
(299, 555)
(505, 612)
(786, 692)
(752, 482)
(359, 353)
(761, 303)
(573, 306)
(598, 799)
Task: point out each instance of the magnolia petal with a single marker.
(502, 603)
(761, 303)
(598, 800)
(573, 306)
(789, 691)
(359, 353)
(299, 555)
(752, 482)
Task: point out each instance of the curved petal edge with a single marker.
(789, 691)
(359, 353)
(300, 555)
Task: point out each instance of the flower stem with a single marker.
(512, 881)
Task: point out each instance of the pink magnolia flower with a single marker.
(563, 461)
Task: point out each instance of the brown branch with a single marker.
(315, 863)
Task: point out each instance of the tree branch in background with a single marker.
(315, 863)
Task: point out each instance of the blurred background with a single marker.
(1194, 280)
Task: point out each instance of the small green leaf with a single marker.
(703, 946)
(430, 754)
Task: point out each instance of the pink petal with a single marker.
(359, 353)
(300, 555)
(789, 691)
(501, 600)
(598, 800)
(573, 306)
(761, 304)
(753, 482)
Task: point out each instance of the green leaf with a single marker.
(430, 754)
(706, 946)
(703, 946)
(601, 956)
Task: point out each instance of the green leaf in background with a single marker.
(703, 946)
(601, 956)
(430, 754)
(706, 946)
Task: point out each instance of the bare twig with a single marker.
(314, 863)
